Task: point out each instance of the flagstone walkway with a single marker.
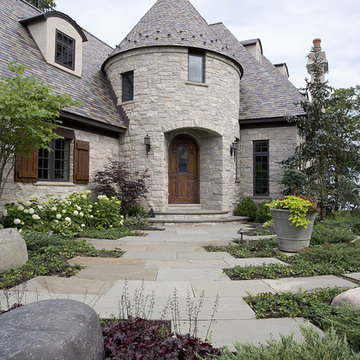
(169, 263)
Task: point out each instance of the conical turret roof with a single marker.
(174, 23)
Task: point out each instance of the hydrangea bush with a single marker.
(65, 216)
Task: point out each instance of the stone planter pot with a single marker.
(290, 237)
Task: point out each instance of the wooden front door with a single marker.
(183, 170)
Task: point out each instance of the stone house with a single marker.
(211, 108)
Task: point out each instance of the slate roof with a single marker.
(174, 23)
(264, 91)
(17, 44)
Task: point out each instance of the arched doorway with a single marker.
(183, 170)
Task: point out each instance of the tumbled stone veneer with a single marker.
(166, 104)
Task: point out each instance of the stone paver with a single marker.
(228, 332)
(159, 288)
(150, 255)
(308, 283)
(355, 276)
(173, 259)
(166, 273)
(230, 288)
(253, 261)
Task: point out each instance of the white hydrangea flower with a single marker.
(20, 207)
(20, 201)
(88, 191)
(76, 212)
(90, 206)
(91, 216)
(26, 211)
(57, 221)
(54, 208)
(67, 219)
(82, 225)
(83, 196)
(64, 211)
(78, 207)
(31, 211)
(36, 217)
(58, 216)
(81, 214)
(5, 212)
(17, 221)
(40, 207)
(28, 203)
(34, 197)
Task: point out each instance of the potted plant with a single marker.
(294, 218)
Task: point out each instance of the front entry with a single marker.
(183, 170)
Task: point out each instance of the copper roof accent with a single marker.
(264, 91)
(174, 23)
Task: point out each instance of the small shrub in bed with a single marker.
(324, 234)
(246, 207)
(137, 338)
(263, 213)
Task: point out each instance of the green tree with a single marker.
(43, 4)
(330, 152)
(29, 114)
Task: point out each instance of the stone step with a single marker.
(198, 220)
(190, 213)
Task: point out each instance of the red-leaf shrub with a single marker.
(115, 180)
(139, 339)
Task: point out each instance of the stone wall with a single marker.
(166, 104)
(282, 143)
(102, 150)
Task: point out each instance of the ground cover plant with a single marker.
(48, 255)
(327, 259)
(329, 347)
(314, 306)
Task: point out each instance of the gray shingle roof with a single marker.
(174, 23)
(16, 44)
(264, 91)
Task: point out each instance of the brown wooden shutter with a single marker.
(26, 168)
(81, 162)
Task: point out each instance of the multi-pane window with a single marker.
(182, 166)
(196, 66)
(261, 167)
(65, 50)
(54, 165)
(128, 86)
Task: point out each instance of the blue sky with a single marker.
(286, 28)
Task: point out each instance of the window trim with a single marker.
(261, 153)
(123, 76)
(197, 53)
(73, 50)
(51, 165)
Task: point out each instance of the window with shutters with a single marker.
(55, 165)
(261, 167)
(128, 86)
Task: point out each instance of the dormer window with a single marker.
(196, 66)
(65, 50)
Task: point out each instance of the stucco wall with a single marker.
(282, 143)
(164, 102)
(101, 150)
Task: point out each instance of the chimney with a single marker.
(316, 53)
(316, 43)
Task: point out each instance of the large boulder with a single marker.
(51, 330)
(13, 251)
(350, 297)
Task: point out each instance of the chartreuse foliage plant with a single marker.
(29, 114)
(67, 216)
(298, 207)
